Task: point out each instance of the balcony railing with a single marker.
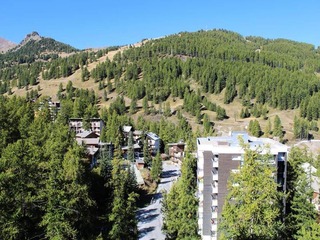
(214, 202)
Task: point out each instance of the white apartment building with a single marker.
(217, 158)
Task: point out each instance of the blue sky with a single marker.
(99, 23)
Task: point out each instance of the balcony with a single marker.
(200, 197)
(200, 222)
(215, 188)
(214, 214)
(215, 162)
(200, 173)
(214, 202)
(200, 186)
(214, 225)
(215, 174)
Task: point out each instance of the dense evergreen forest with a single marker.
(262, 73)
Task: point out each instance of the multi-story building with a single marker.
(76, 124)
(176, 151)
(153, 142)
(217, 158)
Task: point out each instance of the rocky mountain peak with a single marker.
(31, 36)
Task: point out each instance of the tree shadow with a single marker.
(164, 182)
(149, 218)
(145, 231)
(145, 211)
(169, 173)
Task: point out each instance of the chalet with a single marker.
(126, 130)
(54, 108)
(137, 135)
(153, 142)
(176, 151)
(139, 163)
(94, 146)
(136, 148)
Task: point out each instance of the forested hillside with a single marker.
(212, 76)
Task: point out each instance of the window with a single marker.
(214, 209)
(215, 171)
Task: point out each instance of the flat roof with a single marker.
(231, 143)
(153, 135)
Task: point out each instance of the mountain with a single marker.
(215, 76)
(33, 43)
(35, 48)
(31, 36)
(6, 45)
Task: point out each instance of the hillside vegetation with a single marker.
(214, 76)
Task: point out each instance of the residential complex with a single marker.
(217, 158)
(76, 124)
(153, 142)
(176, 151)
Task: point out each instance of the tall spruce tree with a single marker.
(146, 153)
(277, 127)
(156, 167)
(130, 153)
(300, 211)
(122, 216)
(251, 209)
(180, 204)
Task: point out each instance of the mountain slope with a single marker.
(201, 73)
(6, 45)
(34, 48)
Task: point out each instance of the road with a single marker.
(150, 217)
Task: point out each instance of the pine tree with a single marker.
(130, 153)
(206, 123)
(310, 231)
(180, 204)
(299, 211)
(146, 153)
(105, 95)
(85, 74)
(267, 130)
(255, 128)
(277, 127)
(133, 106)
(105, 163)
(122, 216)
(156, 167)
(167, 110)
(303, 212)
(145, 105)
(251, 209)
(118, 211)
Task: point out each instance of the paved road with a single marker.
(150, 217)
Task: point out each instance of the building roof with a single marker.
(127, 128)
(92, 150)
(135, 146)
(139, 178)
(86, 134)
(139, 160)
(231, 143)
(80, 119)
(153, 136)
(137, 132)
(178, 143)
(88, 141)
